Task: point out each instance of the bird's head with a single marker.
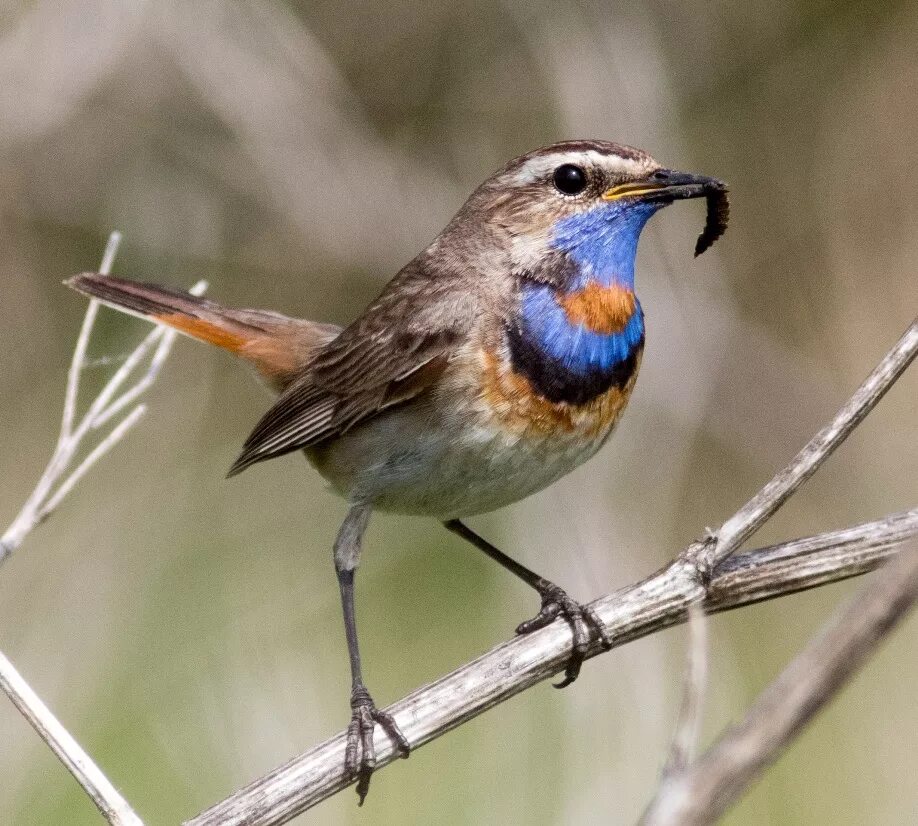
(581, 205)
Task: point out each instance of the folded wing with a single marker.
(394, 352)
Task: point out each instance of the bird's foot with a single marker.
(360, 753)
(582, 618)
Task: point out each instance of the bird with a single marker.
(495, 362)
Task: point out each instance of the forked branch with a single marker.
(60, 476)
(701, 792)
(704, 574)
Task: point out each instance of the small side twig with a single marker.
(688, 725)
(700, 793)
(57, 481)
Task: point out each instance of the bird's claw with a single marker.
(360, 753)
(582, 618)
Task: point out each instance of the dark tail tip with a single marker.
(245, 460)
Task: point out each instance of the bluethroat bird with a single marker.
(495, 362)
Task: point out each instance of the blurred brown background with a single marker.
(187, 628)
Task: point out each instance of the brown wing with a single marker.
(396, 350)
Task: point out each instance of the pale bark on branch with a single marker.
(703, 574)
(702, 791)
(637, 611)
(114, 808)
(688, 725)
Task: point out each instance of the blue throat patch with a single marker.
(564, 360)
(576, 348)
(603, 244)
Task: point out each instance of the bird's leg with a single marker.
(360, 753)
(555, 603)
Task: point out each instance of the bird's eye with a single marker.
(570, 179)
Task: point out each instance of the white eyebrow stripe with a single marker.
(538, 168)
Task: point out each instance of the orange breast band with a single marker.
(600, 309)
(517, 407)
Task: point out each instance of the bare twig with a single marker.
(95, 454)
(112, 805)
(659, 601)
(701, 793)
(513, 666)
(688, 726)
(748, 519)
(79, 352)
(56, 482)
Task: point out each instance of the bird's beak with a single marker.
(667, 186)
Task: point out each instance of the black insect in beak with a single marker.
(665, 185)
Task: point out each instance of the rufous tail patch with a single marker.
(209, 331)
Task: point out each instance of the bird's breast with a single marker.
(512, 413)
(566, 368)
(516, 404)
(576, 345)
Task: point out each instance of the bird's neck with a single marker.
(602, 243)
(577, 344)
(576, 338)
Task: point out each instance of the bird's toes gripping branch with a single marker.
(360, 753)
(583, 621)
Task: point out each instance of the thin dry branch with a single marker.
(56, 482)
(688, 726)
(114, 807)
(702, 792)
(748, 519)
(513, 666)
(659, 601)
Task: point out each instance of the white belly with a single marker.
(480, 441)
(399, 462)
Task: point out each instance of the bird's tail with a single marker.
(277, 345)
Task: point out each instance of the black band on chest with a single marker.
(556, 382)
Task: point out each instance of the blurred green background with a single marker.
(187, 628)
